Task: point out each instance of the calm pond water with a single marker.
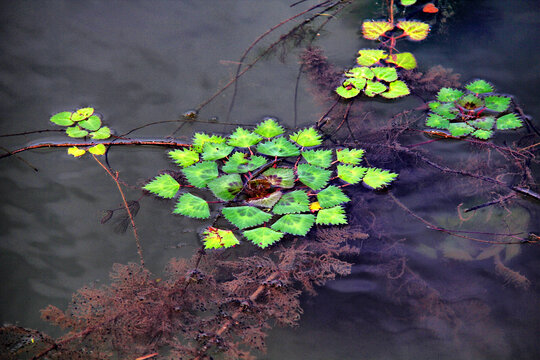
(143, 61)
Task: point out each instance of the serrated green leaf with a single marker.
(263, 236)
(245, 216)
(292, 202)
(350, 156)
(479, 87)
(370, 57)
(351, 174)
(93, 123)
(396, 89)
(212, 151)
(437, 121)
(497, 103)
(449, 94)
(331, 196)
(62, 118)
(446, 110)
(240, 163)
(415, 30)
(470, 102)
(98, 149)
(82, 114)
(243, 138)
(201, 173)
(266, 202)
(76, 132)
(295, 224)
(385, 73)
(320, 158)
(163, 185)
(184, 157)
(372, 30)
(347, 92)
(509, 121)
(192, 206)
(281, 177)
(460, 129)
(405, 60)
(373, 88)
(306, 137)
(102, 134)
(331, 216)
(360, 72)
(217, 238)
(314, 177)
(199, 139)
(76, 152)
(280, 147)
(484, 123)
(269, 128)
(226, 187)
(482, 134)
(434, 105)
(378, 178)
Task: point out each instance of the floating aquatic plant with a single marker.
(262, 196)
(474, 111)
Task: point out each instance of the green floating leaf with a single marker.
(214, 151)
(75, 151)
(372, 30)
(347, 91)
(217, 238)
(243, 138)
(449, 94)
(434, 105)
(266, 202)
(98, 149)
(313, 176)
(295, 224)
(199, 139)
(351, 174)
(482, 134)
(263, 236)
(497, 103)
(269, 128)
(460, 129)
(281, 177)
(350, 156)
(76, 132)
(62, 118)
(102, 134)
(415, 30)
(192, 206)
(201, 173)
(306, 137)
(331, 216)
(239, 163)
(280, 147)
(360, 72)
(373, 88)
(184, 157)
(163, 185)
(385, 73)
(470, 102)
(447, 111)
(370, 57)
(82, 114)
(320, 158)
(93, 123)
(509, 121)
(245, 216)
(437, 121)
(331, 196)
(484, 123)
(479, 87)
(357, 83)
(378, 178)
(408, 2)
(293, 202)
(405, 60)
(226, 187)
(396, 89)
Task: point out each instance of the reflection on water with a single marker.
(414, 293)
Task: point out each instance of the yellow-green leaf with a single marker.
(99, 149)
(415, 30)
(372, 30)
(75, 151)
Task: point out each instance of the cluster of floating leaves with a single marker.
(475, 110)
(82, 123)
(263, 198)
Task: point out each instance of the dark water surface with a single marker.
(143, 61)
